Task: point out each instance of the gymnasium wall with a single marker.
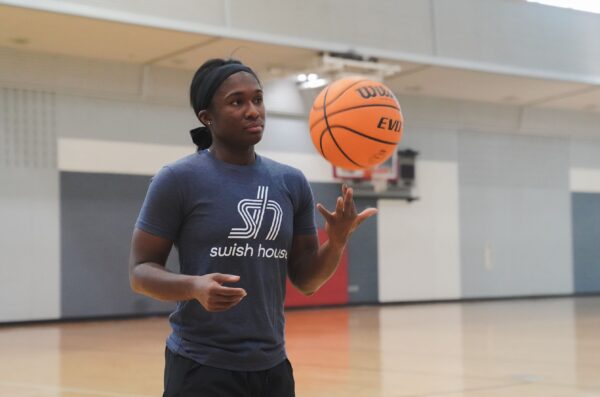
(515, 219)
(29, 206)
(499, 211)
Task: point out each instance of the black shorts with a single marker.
(187, 378)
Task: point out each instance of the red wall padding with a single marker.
(335, 290)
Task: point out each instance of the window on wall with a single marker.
(580, 5)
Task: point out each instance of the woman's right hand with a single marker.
(210, 292)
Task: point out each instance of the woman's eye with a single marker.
(258, 100)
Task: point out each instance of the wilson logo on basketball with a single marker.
(370, 91)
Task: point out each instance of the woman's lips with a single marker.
(254, 128)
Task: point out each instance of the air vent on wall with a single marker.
(27, 128)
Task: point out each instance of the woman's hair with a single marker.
(206, 81)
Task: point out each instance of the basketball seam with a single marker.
(321, 143)
(331, 134)
(352, 108)
(340, 94)
(361, 134)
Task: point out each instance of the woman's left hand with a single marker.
(340, 224)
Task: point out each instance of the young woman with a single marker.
(241, 223)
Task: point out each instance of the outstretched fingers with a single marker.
(364, 215)
(326, 214)
(339, 205)
(349, 206)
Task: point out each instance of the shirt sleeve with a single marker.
(304, 215)
(161, 213)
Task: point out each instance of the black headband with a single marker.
(212, 81)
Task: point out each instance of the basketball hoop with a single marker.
(374, 179)
(394, 178)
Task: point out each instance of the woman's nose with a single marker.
(252, 111)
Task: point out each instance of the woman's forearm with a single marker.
(314, 270)
(156, 281)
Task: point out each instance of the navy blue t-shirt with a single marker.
(231, 219)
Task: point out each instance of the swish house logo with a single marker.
(253, 212)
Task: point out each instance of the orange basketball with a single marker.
(356, 123)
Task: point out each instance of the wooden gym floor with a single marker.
(544, 347)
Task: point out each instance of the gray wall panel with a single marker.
(286, 135)
(559, 122)
(431, 143)
(585, 153)
(203, 12)
(586, 242)
(29, 206)
(98, 212)
(352, 23)
(363, 277)
(517, 34)
(513, 161)
(514, 215)
(362, 248)
(450, 114)
(29, 242)
(128, 121)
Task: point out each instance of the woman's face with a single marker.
(237, 112)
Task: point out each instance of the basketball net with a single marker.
(379, 180)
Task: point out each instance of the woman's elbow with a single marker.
(305, 288)
(134, 280)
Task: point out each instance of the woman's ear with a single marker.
(204, 117)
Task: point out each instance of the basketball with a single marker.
(356, 123)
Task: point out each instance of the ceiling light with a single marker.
(316, 83)
(301, 78)
(312, 77)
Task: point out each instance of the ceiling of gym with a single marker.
(53, 33)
